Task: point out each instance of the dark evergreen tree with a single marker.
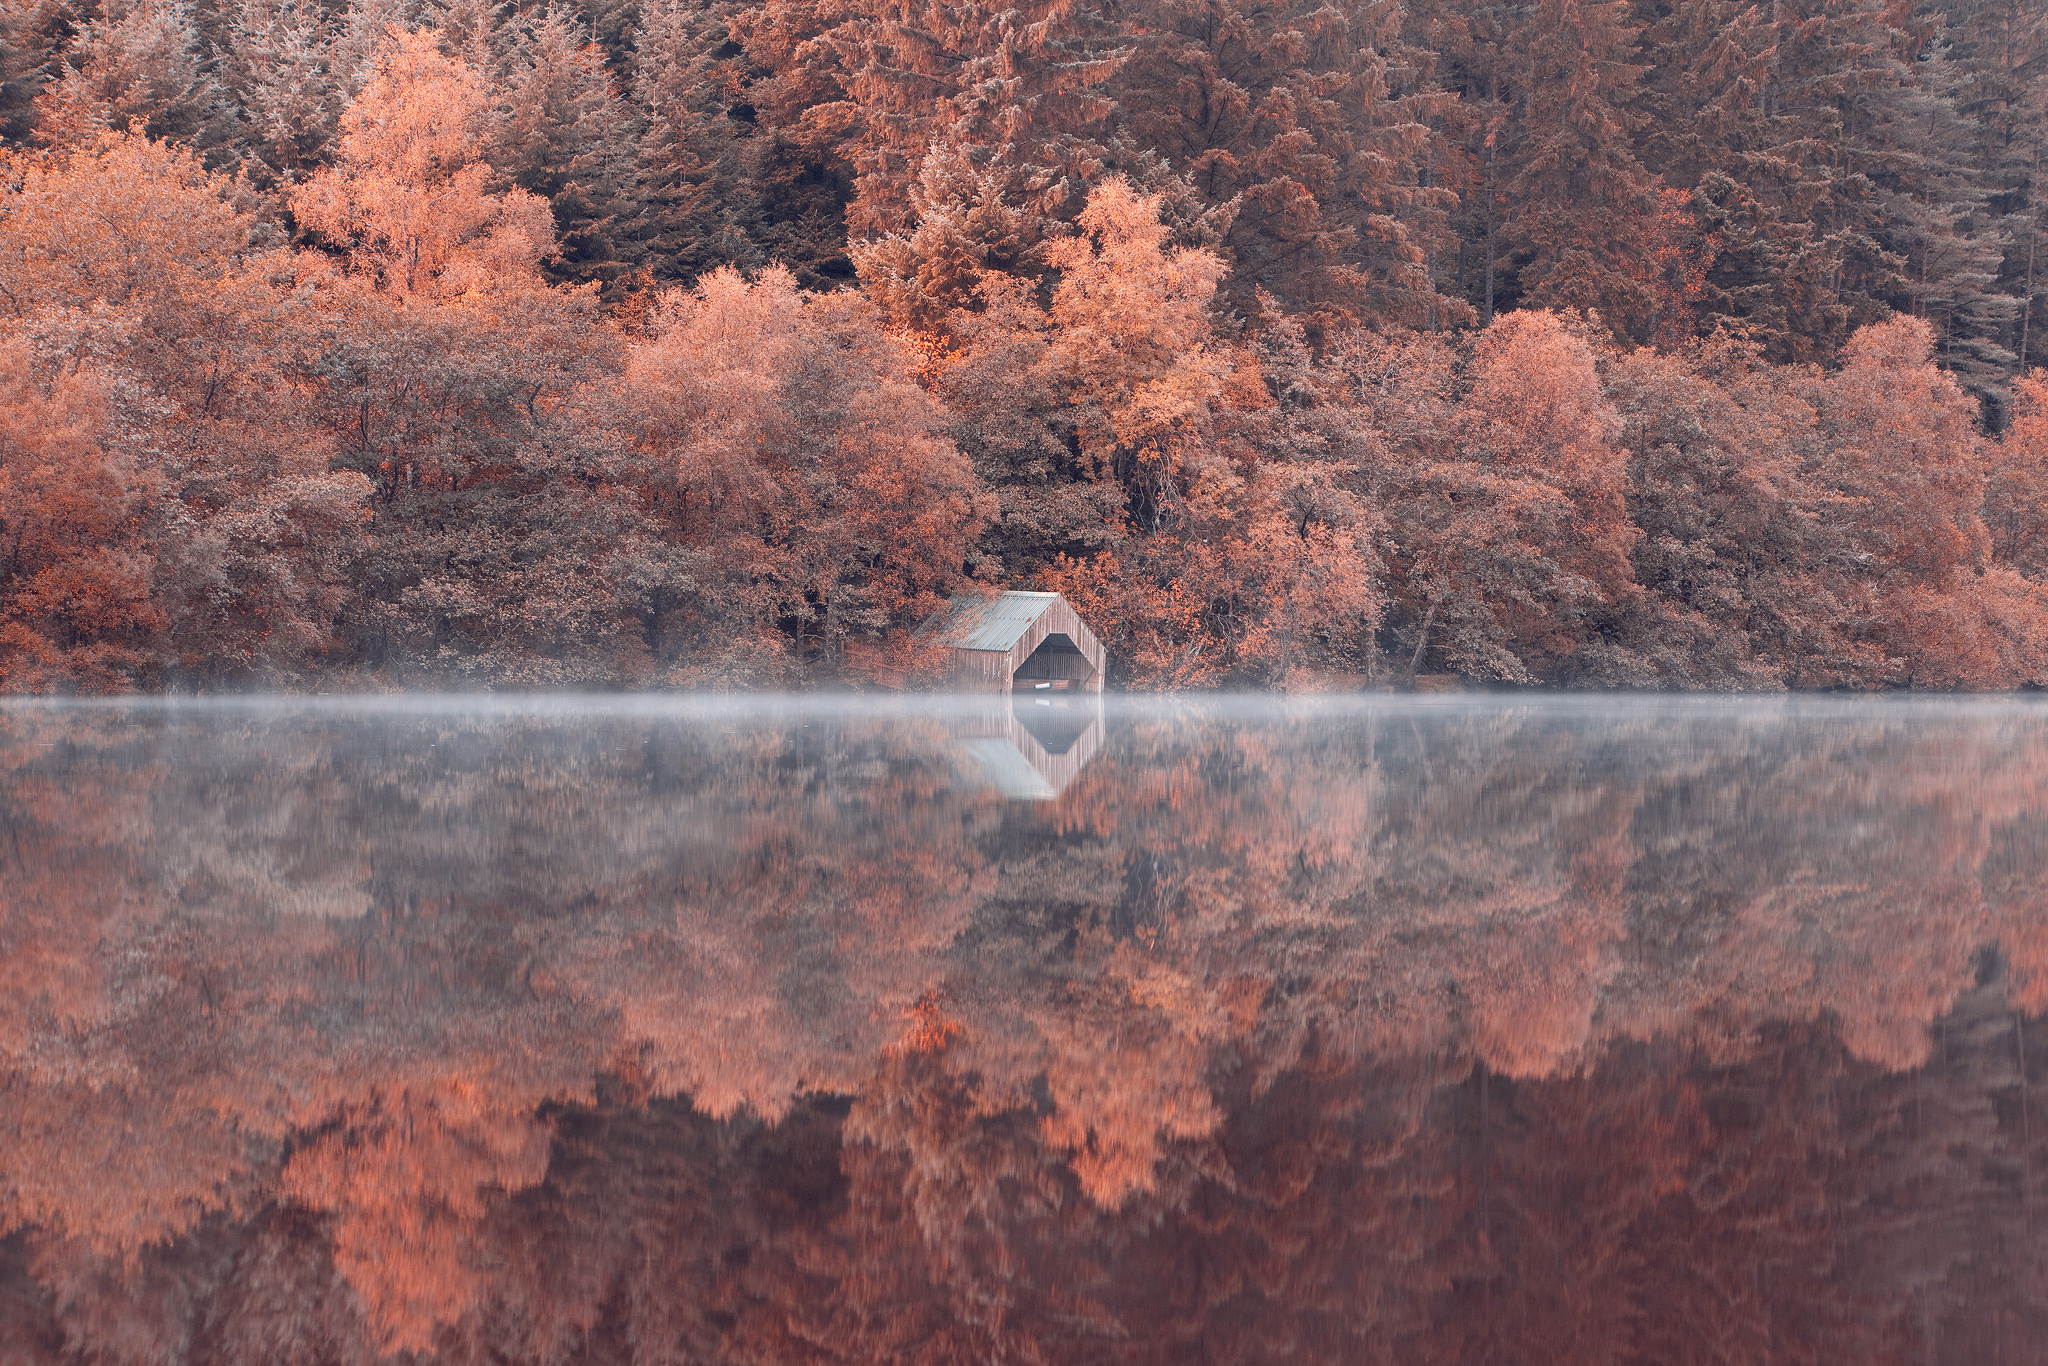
(1020, 90)
(1567, 207)
(278, 76)
(694, 194)
(1311, 122)
(31, 34)
(1999, 52)
(135, 62)
(564, 135)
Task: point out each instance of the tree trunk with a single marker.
(2027, 309)
(1422, 640)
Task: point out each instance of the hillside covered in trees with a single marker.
(718, 342)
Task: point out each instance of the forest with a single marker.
(718, 343)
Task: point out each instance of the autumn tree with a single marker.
(77, 583)
(1728, 521)
(140, 286)
(1507, 492)
(2016, 487)
(1209, 513)
(408, 199)
(813, 498)
(1899, 453)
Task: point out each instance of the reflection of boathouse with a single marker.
(1026, 642)
(1032, 746)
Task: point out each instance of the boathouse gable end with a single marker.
(994, 638)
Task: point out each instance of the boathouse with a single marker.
(1019, 642)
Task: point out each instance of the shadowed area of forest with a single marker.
(1447, 1031)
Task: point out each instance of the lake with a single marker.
(1448, 1029)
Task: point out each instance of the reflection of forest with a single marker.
(1447, 1032)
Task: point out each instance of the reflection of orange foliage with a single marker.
(1051, 1024)
(406, 1178)
(1534, 1003)
(930, 1028)
(1126, 1074)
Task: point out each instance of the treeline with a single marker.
(514, 349)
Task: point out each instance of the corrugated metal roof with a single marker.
(995, 623)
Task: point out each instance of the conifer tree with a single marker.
(365, 31)
(1565, 206)
(564, 135)
(139, 60)
(1934, 197)
(1310, 121)
(694, 194)
(278, 74)
(744, 154)
(1019, 90)
(966, 230)
(1834, 59)
(1581, 199)
(1999, 53)
(474, 31)
(1744, 109)
(30, 36)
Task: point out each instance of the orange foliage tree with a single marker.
(813, 499)
(1505, 485)
(77, 584)
(401, 454)
(1896, 449)
(409, 194)
(1228, 548)
(151, 427)
(2016, 484)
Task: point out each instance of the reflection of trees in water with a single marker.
(1431, 1035)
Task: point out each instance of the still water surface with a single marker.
(1461, 1030)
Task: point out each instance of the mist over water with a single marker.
(1461, 1029)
